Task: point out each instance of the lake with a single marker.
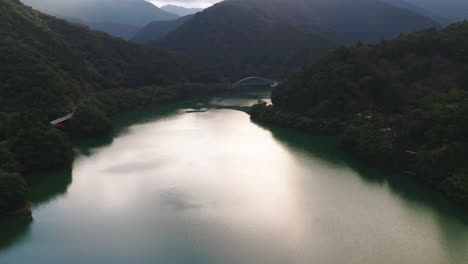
(216, 188)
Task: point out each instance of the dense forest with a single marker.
(51, 67)
(401, 103)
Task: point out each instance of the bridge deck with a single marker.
(60, 120)
(255, 78)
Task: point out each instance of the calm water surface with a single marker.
(215, 188)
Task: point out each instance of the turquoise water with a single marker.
(214, 187)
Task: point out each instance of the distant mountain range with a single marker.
(120, 18)
(181, 11)
(344, 21)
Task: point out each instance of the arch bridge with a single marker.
(255, 80)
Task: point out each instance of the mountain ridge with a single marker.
(180, 11)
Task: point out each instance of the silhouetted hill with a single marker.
(181, 11)
(158, 29)
(402, 103)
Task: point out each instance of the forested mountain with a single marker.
(401, 103)
(50, 66)
(181, 11)
(120, 18)
(243, 41)
(158, 29)
(273, 37)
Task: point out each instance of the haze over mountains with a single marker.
(105, 15)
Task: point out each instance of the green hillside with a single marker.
(401, 103)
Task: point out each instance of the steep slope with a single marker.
(181, 11)
(242, 41)
(401, 103)
(158, 29)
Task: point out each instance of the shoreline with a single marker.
(26, 208)
(271, 115)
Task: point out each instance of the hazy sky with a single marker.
(185, 3)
